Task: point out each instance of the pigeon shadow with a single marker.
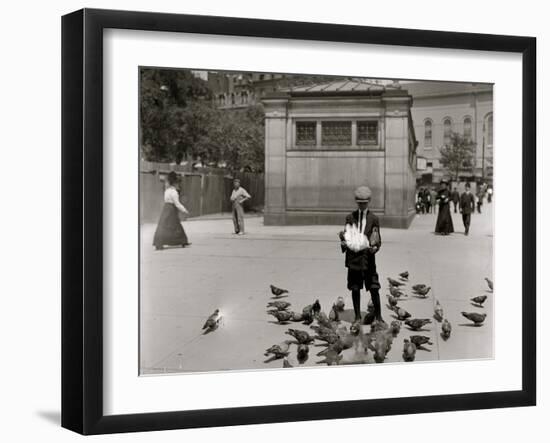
(471, 325)
(272, 358)
(421, 297)
(275, 322)
(476, 305)
(417, 330)
(348, 315)
(209, 331)
(423, 348)
(277, 297)
(444, 337)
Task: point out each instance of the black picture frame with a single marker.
(82, 219)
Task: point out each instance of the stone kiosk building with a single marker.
(324, 140)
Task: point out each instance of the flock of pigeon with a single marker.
(330, 333)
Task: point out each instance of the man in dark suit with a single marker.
(362, 264)
(467, 206)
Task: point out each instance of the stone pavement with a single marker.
(182, 287)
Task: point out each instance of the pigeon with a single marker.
(286, 363)
(278, 351)
(419, 287)
(417, 323)
(337, 347)
(404, 275)
(316, 307)
(395, 327)
(334, 314)
(393, 282)
(296, 316)
(477, 318)
(446, 329)
(401, 313)
(379, 325)
(423, 291)
(281, 316)
(379, 343)
(479, 300)
(279, 305)
(396, 292)
(489, 283)
(329, 336)
(438, 312)
(302, 337)
(340, 304)
(369, 318)
(212, 322)
(323, 320)
(277, 291)
(409, 350)
(302, 353)
(392, 301)
(420, 340)
(355, 328)
(307, 314)
(331, 358)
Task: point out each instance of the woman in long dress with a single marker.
(169, 229)
(444, 224)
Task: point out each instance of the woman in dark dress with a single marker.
(169, 229)
(444, 224)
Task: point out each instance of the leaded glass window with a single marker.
(336, 133)
(447, 130)
(306, 133)
(428, 133)
(367, 133)
(468, 128)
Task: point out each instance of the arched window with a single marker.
(428, 133)
(447, 130)
(490, 130)
(467, 128)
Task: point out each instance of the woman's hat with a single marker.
(172, 177)
(362, 194)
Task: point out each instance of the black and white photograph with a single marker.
(298, 220)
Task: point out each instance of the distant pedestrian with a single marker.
(467, 206)
(444, 223)
(479, 196)
(426, 199)
(238, 196)
(489, 194)
(169, 229)
(433, 198)
(455, 197)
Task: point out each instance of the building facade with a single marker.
(324, 140)
(440, 108)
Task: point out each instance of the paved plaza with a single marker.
(181, 287)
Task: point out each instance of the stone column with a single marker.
(275, 160)
(397, 183)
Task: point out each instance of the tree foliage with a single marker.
(179, 120)
(458, 155)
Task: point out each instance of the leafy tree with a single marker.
(458, 155)
(179, 120)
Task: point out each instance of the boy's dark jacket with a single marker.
(365, 259)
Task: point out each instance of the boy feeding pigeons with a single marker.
(360, 241)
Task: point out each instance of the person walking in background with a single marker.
(489, 194)
(433, 198)
(360, 261)
(444, 223)
(426, 199)
(169, 229)
(455, 197)
(467, 206)
(238, 196)
(479, 199)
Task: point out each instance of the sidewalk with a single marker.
(181, 287)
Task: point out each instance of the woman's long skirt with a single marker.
(169, 229)
(444, 224)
